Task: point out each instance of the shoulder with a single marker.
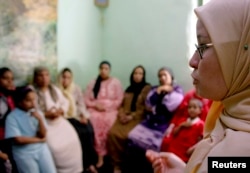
(14, 114)
(115, 80)
(56, 88)
(91, 83)
(77, 88)
(178, 88)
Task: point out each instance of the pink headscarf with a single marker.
(227, 131)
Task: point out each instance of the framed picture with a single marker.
(102, 3)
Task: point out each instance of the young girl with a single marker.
(27, 127)
(187, 133)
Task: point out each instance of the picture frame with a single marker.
(102, 3)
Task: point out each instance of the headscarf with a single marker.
(99, 79)
(228, 121)
(169, 70)
(136, 88)
(67, 92)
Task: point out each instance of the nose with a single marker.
(194, 61)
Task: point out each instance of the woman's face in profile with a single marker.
(164, 77)
(138, 75)
(66, 79)
(104, 71)
(207, 75)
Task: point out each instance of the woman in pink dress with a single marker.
(103, 97)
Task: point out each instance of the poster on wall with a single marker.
(28, 37)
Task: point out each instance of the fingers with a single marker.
(152, 155)
(156, 161)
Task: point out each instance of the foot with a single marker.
(100, 162)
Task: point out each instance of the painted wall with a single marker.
(79, 38)
(152, 33)
(127, 33)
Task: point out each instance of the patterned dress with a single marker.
(110, 96)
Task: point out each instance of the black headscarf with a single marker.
(136, 88)
(99, 79)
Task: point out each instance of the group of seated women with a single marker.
(58, 128)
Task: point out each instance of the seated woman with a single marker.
(6, 105)
(187, 133)
(162, 101)
(78, 116)
(62, 138)
(103, 98)
(130, 114)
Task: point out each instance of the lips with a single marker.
(195, 81)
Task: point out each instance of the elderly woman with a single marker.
(61, 136)
(103, 98)
(162, 101)
(221, 73)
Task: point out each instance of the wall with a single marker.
(153, 33)
(79, 38)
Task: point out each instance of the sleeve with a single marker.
(81, 107)
(43, 118)
(11, 127)
(173, 99)
(152, 98)
(140, 105)
(118, 95)
(63, 102)
(88, 95)
(121, 109)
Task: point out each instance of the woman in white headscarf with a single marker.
(78, 116)
(221, 73)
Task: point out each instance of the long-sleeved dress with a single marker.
(149, 133)
(110, 96)
(85, 131)
(62, 138)
(118, 134)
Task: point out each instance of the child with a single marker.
(26, 126)
(186, 134)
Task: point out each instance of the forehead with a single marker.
(138, 70)
(105, 66)
(67, 73)
(194, 102)
(202, 33)
(164, 72)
